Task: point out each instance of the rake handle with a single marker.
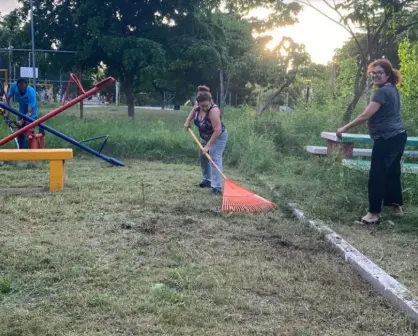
(207, 155)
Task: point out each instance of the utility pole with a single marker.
(10, 64)
(33, 44)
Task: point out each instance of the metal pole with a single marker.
(10, 65)
(41, 50)
(117, 92)
(33, 44)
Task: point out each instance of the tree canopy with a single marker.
(173, 46)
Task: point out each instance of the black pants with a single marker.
(22, 139)
(385, 172)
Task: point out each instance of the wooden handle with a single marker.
(207, 155)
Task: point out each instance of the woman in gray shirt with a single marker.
(387, 130)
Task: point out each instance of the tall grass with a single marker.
(271, 145)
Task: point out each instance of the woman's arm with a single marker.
(215, 119)
(190, 116)
(370, 110)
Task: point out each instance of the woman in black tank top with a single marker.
(213, 137)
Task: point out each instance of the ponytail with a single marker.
(396, 77)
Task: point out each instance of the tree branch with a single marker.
(368, 32)
(382, 24)
(350, 30)
(403, 28)
(271, 99)
(346, 27)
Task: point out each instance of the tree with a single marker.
(153, 43)
(279, 67)
(235, 46)
(373, 18)
(408, 54)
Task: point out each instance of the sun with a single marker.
(320, 35)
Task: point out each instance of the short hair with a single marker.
(394, 75)
(22, 80)
(203, 96)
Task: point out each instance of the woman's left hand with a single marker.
(205, 150)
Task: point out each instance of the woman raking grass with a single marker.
(213, 137)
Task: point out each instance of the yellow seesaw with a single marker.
(56, 158)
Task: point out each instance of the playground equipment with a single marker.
(73, 79)
(236, 198)
(39, 122)
(56, 158)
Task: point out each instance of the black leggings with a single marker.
(385, 172)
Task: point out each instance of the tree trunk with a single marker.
(130, 100)
(333, 80)
(359, 86)
(161, 92)
(222, 94)
(284, 86)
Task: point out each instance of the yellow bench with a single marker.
(56, 158)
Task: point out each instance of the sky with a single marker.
(320, 35)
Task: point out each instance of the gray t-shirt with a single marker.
(387, 121)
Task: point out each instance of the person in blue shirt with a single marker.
(25, 95)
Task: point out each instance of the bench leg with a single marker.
(337, 147)
(56, 175)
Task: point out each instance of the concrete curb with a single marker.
(388, 287)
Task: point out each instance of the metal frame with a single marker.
(6, 78)
(39, 50)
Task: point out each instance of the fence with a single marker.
(52, 83)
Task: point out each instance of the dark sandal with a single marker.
(363, 221)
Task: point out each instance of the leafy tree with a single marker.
(279, 67)
(408, 54)
(164, 45)
(374, 19)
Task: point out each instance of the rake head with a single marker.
(236, 198)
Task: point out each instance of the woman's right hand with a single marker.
(187, 125)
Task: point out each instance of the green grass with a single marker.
(272, 148)
(141, 250)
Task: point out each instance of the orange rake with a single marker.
(236, 198)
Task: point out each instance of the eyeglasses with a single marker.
(377, 74)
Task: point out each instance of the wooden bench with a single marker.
(365, 165)
(56, 158)
(365, 152)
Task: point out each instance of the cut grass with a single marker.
(322, 187)
(141, 250)
(326, 190)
